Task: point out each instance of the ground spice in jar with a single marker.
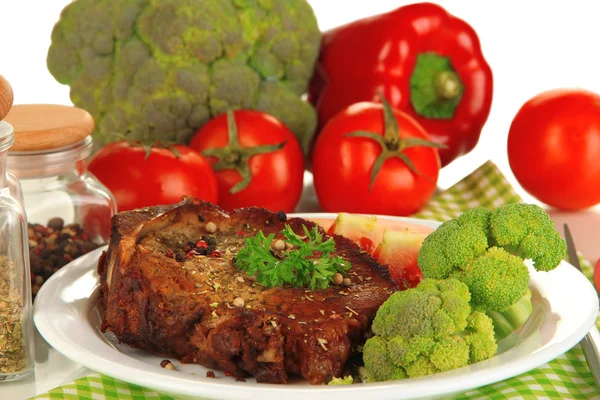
(53, 246)
(12, 342)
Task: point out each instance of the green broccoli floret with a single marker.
(454, 244)
(496, 280)
(527, 231)
(488, 250)
(163, 68)
(425, 330)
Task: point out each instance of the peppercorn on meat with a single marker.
(169, 285)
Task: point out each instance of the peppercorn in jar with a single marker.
(68, 209)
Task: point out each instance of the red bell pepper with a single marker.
(425, 61)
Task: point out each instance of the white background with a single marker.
(532, 46)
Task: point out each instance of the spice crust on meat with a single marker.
(169, 286)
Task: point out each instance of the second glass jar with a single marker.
(69, 211)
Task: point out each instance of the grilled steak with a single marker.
(160, 297)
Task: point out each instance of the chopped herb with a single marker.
(347, 380)
(309, 264)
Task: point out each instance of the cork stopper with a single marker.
(40, 127)
(6, 97)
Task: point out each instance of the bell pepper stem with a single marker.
(447, 85)
(435, 87)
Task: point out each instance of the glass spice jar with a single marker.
(16, 323)
(68, 209)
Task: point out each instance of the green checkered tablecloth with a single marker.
(566, 377)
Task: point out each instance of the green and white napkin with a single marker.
(566, 377)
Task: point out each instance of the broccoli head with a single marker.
(161, 68)
(527, 231)
(488, 251)
(496, 280)
(425, 330)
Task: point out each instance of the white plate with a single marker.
(66, 315)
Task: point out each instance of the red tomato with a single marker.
(399, 251)
(343, 165)
(161, 178)
(553, 148)
(264, 148)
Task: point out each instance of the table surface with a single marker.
(53, 370)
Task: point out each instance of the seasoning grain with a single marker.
(338, 279)
(279, 244)
(238, 302)
(167, 364)
(210, 227)
(12, 343)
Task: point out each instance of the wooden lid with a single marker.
(6, 97)
(47, 126)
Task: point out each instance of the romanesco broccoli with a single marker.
(425, 330)
(165, 67)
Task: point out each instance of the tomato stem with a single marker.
(392, 144)
(391, 136)
(234, 156)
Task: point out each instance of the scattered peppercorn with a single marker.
(191, 254)
(281, 216)
(210, 374)
(53, 246)
(205, 246)
(211, 241)
(338, 279)
(347, 282)
(238, 302)
(210, 227)
(167, 364)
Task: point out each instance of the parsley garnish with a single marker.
(308, 264)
